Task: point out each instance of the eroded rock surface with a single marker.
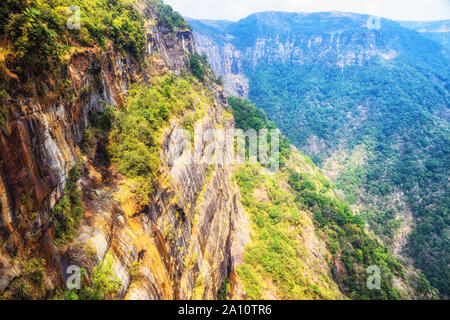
(177, 247)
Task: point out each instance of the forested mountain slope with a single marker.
(303, 235)
(370, 106)
(93, 174)
(94, 177)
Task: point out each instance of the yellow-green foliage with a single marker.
(199, 287)
(135, 138)
(189, 120)
(224, 290)
(169, 18)
(345, 235)
(275, 253)
(276, 258)
(190, 261)
(103, 284)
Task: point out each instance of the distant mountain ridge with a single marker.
(331, 38)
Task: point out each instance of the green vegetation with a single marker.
(103, 284)
(169, 18)
(135, 138)
(247, 116)
(301, 182)
(224, 289)
(393, 106)
(96, 135)
(276, 256)
(197, 64)
(276, 253)
(68, 212)
(393, 113)
(40, 37)
(201, 69)
(30, 285)
(348, 241)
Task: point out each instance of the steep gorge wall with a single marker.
(39, 148)
(325, 79)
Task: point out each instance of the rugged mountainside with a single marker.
(94, 174)
(370, 106)
(438, 31)
(330, 39)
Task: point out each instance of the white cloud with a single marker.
(237, 9)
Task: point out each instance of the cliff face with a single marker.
(226, 61)
(436, 30)
(174, 255)
(235, 50)
(189, 238)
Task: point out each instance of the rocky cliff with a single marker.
(158, 250)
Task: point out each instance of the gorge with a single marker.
(368, 105)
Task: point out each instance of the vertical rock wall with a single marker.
(160, 251)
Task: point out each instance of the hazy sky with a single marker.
(237, 9)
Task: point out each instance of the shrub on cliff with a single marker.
(30, 285)
(248, 116)
(35, 36)
(103, 284)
